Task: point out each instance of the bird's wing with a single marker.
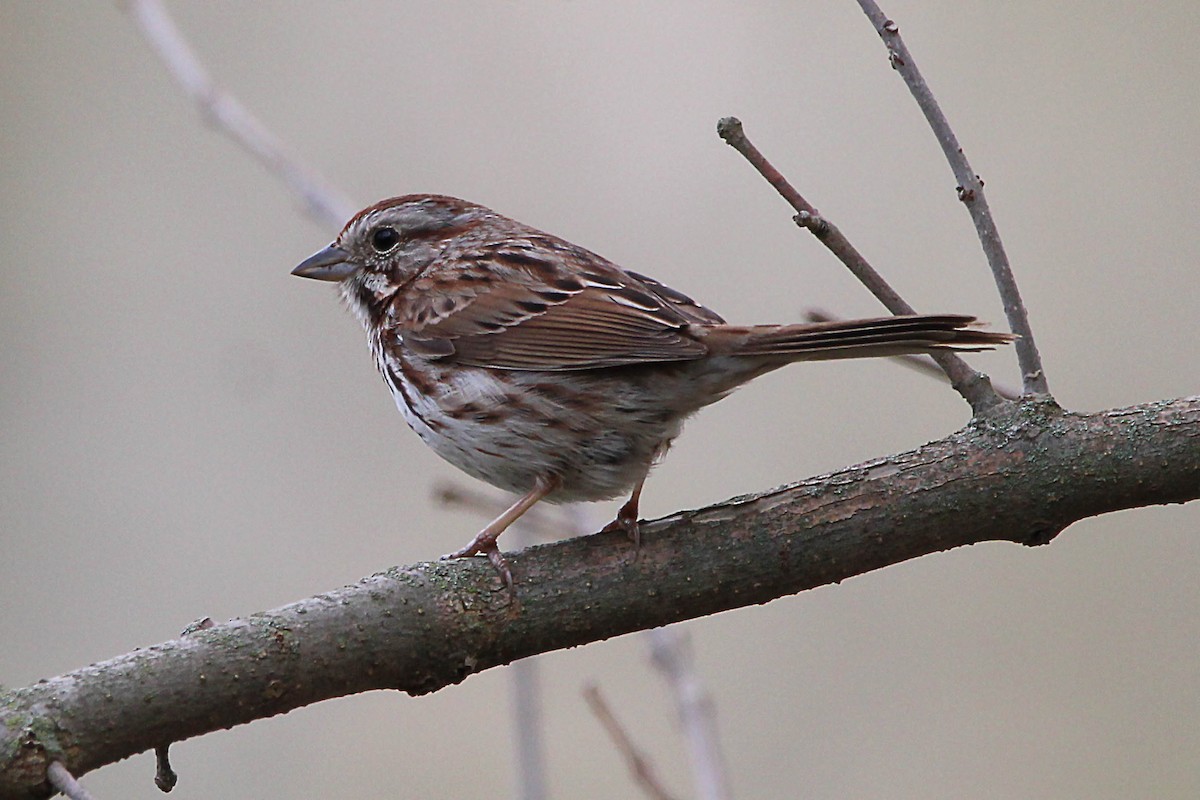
(539, 303)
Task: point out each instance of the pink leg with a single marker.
(485, 541)
(627, 517)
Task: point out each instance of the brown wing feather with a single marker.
(680, 301)
(534, 313)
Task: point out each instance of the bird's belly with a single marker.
(594, 432)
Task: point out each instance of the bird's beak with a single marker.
(331, 264)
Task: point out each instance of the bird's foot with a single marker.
(627, 521)
(485, 545)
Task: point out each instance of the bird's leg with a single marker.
(627, 517)
(485, 541)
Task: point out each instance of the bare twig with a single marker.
(970, 191)
(62, 780)
(164, 777)
(639, 765)
(671, 654)
(922, 364)
(320, 200)
(972, 385)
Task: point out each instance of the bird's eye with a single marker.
(384, 239)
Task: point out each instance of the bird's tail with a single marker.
(860, 338)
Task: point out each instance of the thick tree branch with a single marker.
(1022, 473)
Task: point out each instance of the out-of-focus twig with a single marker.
(972, 385)
(62, 780)
(922, 364)
(970, 192)
(671, 654)
(639, 765)
(529, 727)
(320, 199)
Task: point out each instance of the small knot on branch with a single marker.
(967, 194)
(202, 624)
(814, 222)
(1041, 535)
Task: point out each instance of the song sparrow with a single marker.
(545, 370)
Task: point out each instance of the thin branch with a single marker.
(62, 780)
(671, 654)
(320, 200)
(970, 192)
(165, 778)
(732, 131)
(972, 385)
(638, 763)
(922, 364)
(1022, 473)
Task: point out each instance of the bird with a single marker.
(548, 371)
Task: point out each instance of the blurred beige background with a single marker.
(187, 430)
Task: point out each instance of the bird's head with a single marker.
(386, 245)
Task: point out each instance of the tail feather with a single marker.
(861, 338)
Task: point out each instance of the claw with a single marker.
(485, 546)
(484, 542)
(627, 518)
(630, 527)
(501, 566)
